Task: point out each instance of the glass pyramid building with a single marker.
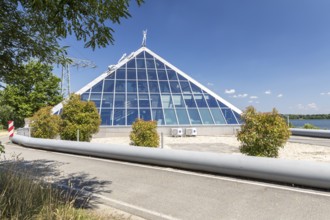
(144, 85)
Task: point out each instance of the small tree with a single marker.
(144, 133)
(44, 124)
(79, 116)
(262, 134)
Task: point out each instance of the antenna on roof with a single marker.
(144, 40)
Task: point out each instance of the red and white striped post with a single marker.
(11, 129)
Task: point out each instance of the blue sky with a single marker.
(268, 54)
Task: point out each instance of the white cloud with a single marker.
(322, 93)
(250, 101)
(240, 95)
(253, 97)
(268, 92)
(230, 91)
(325, 93)
(210, 84)
(312, 106)
(280, 95)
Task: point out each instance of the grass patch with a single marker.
(23, 196)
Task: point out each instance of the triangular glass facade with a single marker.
(145, 86)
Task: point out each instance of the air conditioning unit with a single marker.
(176, 132)
(191, 132)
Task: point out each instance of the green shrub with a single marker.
(144, 133)
(79, 115)
(44, 124)
(262, 134)
(310, 126)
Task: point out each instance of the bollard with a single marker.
(162, 140)
(11, 129)
(78, 135)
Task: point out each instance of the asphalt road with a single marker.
(310, 140)
(162, 193)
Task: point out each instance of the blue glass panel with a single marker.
(195, 88)
(120, 85)
(152, 74)
(157, 115)
(96, 98)
(155, 101)
(222, 105)
(229, 116)
(140, 55)
(144, 101)
(131, 86)
(120, 100)
(162, 75)
(178, 101)
(132, 115)
(217, 115)
(200, 101)
(84, 96)
(98, 87)
(107, 100)
(131, 74)
(132, 100)
(181, 78)
(148, 55)
(194, 116)
(167, 101)
(206, 116)
(131, 64)
(150, 64)
(159, 65)
(142, 86)
(119, 117)
(153, 86)
(145, 114)
(189, 100)
(211, 101)
(140, 63)
(120, 74)
(142, 75)
(171, 74)
(170, 118)
(111, 76)
(164, 88)
(238, 117)
(175, 88)
(185, 87)
(106, 117)
(182, 116)
(109, 85)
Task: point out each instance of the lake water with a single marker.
(321, 123)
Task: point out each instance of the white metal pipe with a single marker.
(313, 174)
(310, 132)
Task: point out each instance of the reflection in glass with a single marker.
(131, 74)
(175, 88)
(157, 115)
(144, 101)
(119, 117)
(120, 74)
(98, 87)
(131, 86)
(106, 117)
(153, 85)
(145, 114)
(218, 117)
(162, 75)
(132, 115)
(164, 88)
(194, 116)
(132, 100)
(120, 85)
(120, 100)
(131, 64)
(143, 86)
(107, 100)
(185, 87)
(182, 116)
(152, 74)
(206, 116)
(155, 101)
(109, 85)
(171, 74)
(229, 116)
(170, 118)
(167, 101)
(140, 63)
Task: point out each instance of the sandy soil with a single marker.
(229, 144)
